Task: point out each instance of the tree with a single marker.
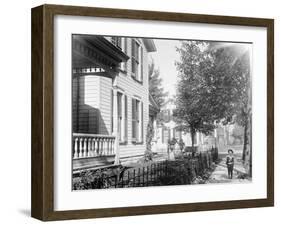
(195, 110)
(214, 87)
(155, 85)
(149, 136)
(232, 81)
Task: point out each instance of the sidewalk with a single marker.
(219, 175)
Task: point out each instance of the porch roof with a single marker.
(92, 51)
(149, 44)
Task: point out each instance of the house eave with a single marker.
(149, 45)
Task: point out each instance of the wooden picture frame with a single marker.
(43, 112)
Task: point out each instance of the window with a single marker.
(122, 116)
(178, 134)
(166, 115)
(166, 135)
(112, 98)
(123, 65)
(137, 120)
(136, 59)
(119, 115)
(117, 41)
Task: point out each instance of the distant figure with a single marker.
(230, 163)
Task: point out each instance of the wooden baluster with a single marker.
(107, 146)
(76, 140)
(89, 147)
(104, 145)
(101, 146)
(110, 146)
(113, 149)
(97, 146)
(93, 147)
(80, 154)
(85, 148)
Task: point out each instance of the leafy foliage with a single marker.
(193, 100)
(232, 82)
(155, 85)
(213, 87)
(149, 136)
(232, 67)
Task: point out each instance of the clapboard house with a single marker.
(110, 99)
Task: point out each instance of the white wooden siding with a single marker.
(132, 88)
(105, 105)
(88, 108)
(95, 105)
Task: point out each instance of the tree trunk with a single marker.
(245, 141)
(192, 134)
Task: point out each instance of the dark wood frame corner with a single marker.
(42, 202)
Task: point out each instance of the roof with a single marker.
(149, 44)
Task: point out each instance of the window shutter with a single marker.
(126, 118)
(133, 57)
(141, 121)
(137, 121)
(141, 65)
(133, 119)
(126, 51)
(111, 111)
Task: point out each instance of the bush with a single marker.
(101, 178)
(181, 144)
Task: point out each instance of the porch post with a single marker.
(115, 127)
(155, 128)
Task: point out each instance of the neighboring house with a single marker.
(111, 102)
(168, 130)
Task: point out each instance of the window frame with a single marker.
(137, 121)
(123, 131)
(137, 61)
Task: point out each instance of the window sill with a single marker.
(137, 142)
(123, 142)
(123, 71)
(138, 81)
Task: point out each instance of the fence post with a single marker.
(143, 175)
(166, 168)
(147, 173)
(151, 173)
(139, 179)
(128, 179)
(134, 177)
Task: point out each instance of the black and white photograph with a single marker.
(160, 112)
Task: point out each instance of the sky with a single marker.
(164, 59)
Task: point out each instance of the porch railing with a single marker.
(92, 145)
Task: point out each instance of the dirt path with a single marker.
(219, 175)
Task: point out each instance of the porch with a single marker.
(92, 150)
(96, 63)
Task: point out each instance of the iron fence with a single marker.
(184, 170)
